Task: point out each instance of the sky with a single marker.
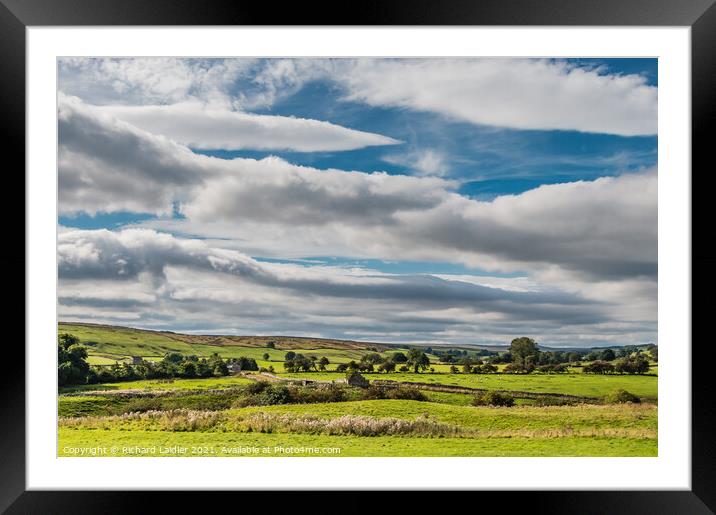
(440, 200)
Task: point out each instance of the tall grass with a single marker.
(346, 425)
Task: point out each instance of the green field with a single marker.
(520, 431)
(227, 444)
(218, 416)
(585, 385)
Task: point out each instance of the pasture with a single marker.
(232, 415)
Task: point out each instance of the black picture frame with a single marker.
(700, 15)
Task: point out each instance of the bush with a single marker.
(493, 399)
(598, 367)
(311, 395)
(514, 368)
(355, 379)
(552, 369)
(635, 365)
(403, 393)
(621, 396)
(274, 394)
(257, 387)
(487, 368)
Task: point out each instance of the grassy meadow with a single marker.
(255, 414)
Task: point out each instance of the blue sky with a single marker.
(482, 160)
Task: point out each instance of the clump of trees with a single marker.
(553, 369)
(630, 365)
(298, 363)
(72, 367)
(598, 367)
(173, 365)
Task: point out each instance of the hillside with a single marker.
(110, 343)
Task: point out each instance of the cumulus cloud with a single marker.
(587, 249)
(514, 93)
(534, 94)
(158, 275)
(602, 228)
(109, 165)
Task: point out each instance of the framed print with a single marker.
(422, 249)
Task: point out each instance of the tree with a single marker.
(203, 369)
(387, 367)
(453, 369)
(248, 363)
(418, 360)
(607, 355)
(632, 365)
(323, 362)
(72, 366)
(187, 369)
(271, 345)
(399, 357)
(524, 351)
(598, 367)
(373, 358)
(66, 340)
(173, 357)
(266, 356)
(573, 357)
(654, 351)
(290, 355)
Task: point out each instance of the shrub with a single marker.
(487, 368)
(403, 393)
(257, 387)
(552, 369)
(309, 395)
(493, 399)
(621, 396)
(355, 379)
(632, 365)
(598, 367)
(275, 394)
(514, 368)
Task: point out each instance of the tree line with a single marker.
(73, 368)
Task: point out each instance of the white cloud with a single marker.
(538, 94)
(512, 93)
(150, 80)
(158, 280)
(421, 162)
(194, 125)
(602, 228)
